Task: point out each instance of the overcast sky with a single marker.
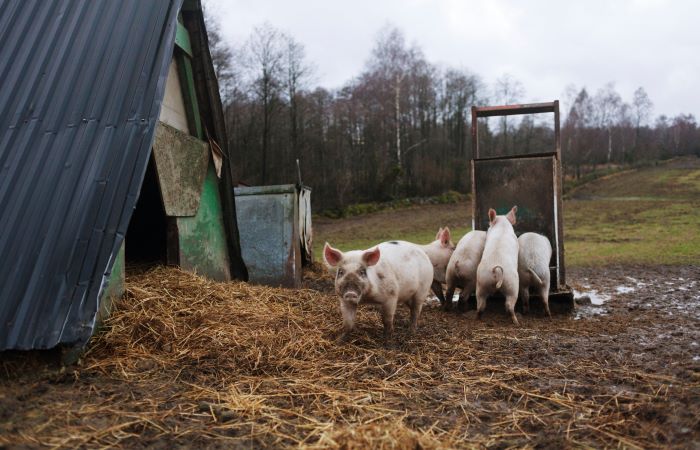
(546, 45)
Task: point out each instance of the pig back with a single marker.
(535, 252)
(501, 249)
(410, 265)
(471, 247)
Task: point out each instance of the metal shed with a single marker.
(81, 89)
(532, 181)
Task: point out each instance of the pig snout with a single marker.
(350, 288)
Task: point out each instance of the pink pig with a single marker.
(498, 269)
(386, 275)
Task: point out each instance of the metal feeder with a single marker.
(533, 182)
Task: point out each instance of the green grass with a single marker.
(600, 232)
(649, 215)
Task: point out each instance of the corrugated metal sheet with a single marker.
(81, 83)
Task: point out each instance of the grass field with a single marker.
(643, 216)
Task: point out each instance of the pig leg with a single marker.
(464, 296)
(388, 311)
(348, 310)
(436, 287)
(510, 306)
(416, 307)
(525, 295)
(544, 293)
(462, 302)
(480, 302)
(448, 296)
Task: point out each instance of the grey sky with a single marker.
(544, 44)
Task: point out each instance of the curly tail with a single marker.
(535, 277)
(498, 274)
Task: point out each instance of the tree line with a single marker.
(402, 127)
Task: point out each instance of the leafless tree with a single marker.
(607, 102)
(507, 91)
(298, 73)
(641, 111)
(401, 126)
(390, 60)
(265, 52)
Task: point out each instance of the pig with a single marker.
(461, 270)
(439, 252)
(386, 275)
(498, 269)
(533, 268)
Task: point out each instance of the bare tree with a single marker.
(641, 111)
(298, 73)
(507, 91)
(265, 50)
(390, 59)
(608, 103)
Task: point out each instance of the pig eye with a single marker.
(341, 272)
(363, 272)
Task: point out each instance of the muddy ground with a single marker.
(625, 373)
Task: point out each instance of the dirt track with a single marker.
(257, 367)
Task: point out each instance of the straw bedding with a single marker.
(194, 363)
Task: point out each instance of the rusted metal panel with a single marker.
(268, 223)
(511, 110)
(212, 119)
(202, 238)
(181, 163)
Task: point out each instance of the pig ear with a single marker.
(437, 236)
(492, 215)
(331, 255)
(371, 257)
(511, 215)
(445, 237)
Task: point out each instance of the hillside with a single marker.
(641, 216)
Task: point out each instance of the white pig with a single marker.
(533, 268)
(439, 252)
(498, 269)
(386, 275)
(461, 270)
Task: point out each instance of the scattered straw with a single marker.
(186, 360)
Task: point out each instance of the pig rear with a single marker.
(439, 252)
(498, 269)
(535, 252)
(461, 270)
(386, 275)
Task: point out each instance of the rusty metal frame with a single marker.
(520, 109)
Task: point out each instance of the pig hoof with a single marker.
(343, 338)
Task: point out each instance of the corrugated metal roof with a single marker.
(81, 83)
